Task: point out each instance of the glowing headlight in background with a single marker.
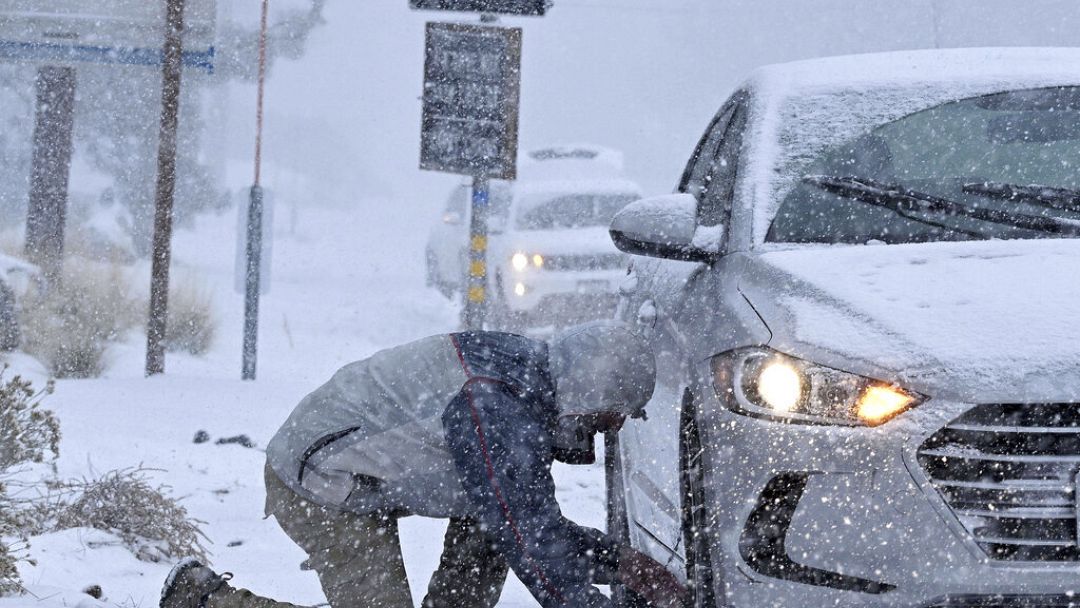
(780, 386)
(520, 261)
(538, 260)
(519, 289)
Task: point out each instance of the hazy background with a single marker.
(643, 76)
(343, 108)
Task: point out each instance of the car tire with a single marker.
(695, 514)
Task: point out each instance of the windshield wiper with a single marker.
(1061, 199)
(907, 203)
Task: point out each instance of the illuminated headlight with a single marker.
(762, 382)
(521, 261)
(519, 289)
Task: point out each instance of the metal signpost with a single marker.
(472, 82)
(254, 231)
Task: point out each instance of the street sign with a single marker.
(509, 7)
(472, 83)
(125, 32)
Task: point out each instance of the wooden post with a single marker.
(166, 185)
(47, 213)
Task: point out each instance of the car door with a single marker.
(654, 299)
(447, 240)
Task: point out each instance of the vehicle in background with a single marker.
(447, 251)
(553, 262)
(550, 260)
(868, 388)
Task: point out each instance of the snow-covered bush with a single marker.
(149, 522)
(70, 325)
(192, 323)
(28, 434)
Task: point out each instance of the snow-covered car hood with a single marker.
(559, 242)
(977, 320)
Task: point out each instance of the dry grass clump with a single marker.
(70, 325)
(192, 323)
(151, 524)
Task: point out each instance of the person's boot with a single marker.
(190, 585)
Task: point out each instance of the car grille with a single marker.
(605, 261)
(1009, 472)
(1008, 601)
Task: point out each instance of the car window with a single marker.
(572, 211)
(710, 176)
(1001, 166)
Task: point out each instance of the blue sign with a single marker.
(51, 52)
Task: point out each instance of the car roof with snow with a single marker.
(1004, 66)
(802, 108)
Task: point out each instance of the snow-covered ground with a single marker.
(345, 284)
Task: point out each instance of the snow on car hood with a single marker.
(978, 320)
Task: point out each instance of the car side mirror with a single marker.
(666, 227)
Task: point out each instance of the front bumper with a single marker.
(828, 516)
(561, 293)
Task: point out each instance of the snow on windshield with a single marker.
(802, 109)
(573, 211)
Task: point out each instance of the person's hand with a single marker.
(653, 582)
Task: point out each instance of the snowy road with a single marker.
(335, 298)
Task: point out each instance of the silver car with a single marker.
(865, 318)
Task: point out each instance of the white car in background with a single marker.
(864, 314)
(553, 261)
(550, 260)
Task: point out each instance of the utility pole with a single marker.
(47, 213)
(166, 185)
(255, 223)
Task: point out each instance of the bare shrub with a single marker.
(70, 325)
(28, 434)
(192, 323)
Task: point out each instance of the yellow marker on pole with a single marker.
(476, 294)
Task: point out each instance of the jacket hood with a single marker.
(974, 320)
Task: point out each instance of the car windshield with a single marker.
(1001, 166)
(579, 210)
